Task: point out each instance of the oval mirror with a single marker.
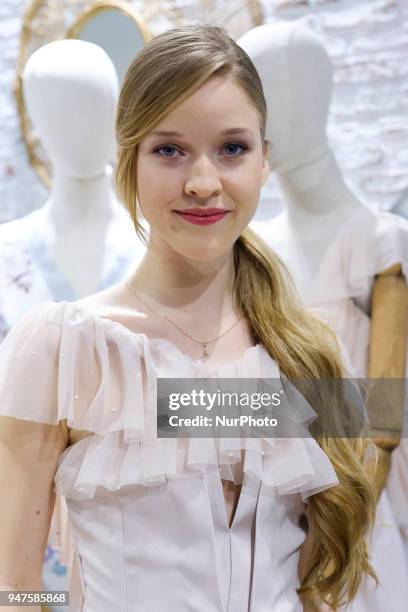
(115, 27)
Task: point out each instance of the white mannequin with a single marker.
(306, 169)
(70, 88)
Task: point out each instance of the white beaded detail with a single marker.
(76, 396)
(114, 409)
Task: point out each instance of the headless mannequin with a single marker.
(71, 88)
(293, 66)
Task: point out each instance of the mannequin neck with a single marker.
(316, 188)
(80, 201)
(317, 203)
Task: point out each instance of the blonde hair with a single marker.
(164, 73)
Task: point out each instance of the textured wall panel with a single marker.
(368, 124)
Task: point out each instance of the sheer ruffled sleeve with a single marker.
(29, 358)
(59, 363)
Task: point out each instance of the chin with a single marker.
(206, 252)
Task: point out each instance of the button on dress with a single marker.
(147, 515)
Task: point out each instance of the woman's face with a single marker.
(199, 165)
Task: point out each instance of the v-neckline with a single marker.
(235, 501)
(313, 281)
(221, 510)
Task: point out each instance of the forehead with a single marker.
(218, 101)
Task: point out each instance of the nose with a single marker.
(203, 180)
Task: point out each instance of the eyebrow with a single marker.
(227, 132)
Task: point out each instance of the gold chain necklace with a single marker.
(203, 344)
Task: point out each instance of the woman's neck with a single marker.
(190, 290)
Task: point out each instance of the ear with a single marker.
(266, 169)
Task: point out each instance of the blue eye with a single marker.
(242, 146)
(164, 147)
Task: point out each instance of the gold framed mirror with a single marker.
(45, 21)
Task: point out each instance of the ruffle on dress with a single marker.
(62, 362)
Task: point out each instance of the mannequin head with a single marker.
(297, 79)
(70, 89)
(205, 85)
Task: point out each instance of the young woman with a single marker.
(181, 524)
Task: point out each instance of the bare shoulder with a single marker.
(117, 304)
(103, 301)
(109, 302)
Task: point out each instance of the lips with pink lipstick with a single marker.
(202, 216)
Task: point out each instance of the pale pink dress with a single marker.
(148, 515)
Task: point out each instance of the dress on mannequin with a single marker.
(29, 273)
(147, 510)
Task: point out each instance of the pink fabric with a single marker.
(62, 362)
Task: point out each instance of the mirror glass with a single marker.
(117, 33)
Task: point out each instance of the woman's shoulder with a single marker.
(111, 307)
(64, 360)
(104, 310)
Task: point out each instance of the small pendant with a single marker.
(205, 354)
